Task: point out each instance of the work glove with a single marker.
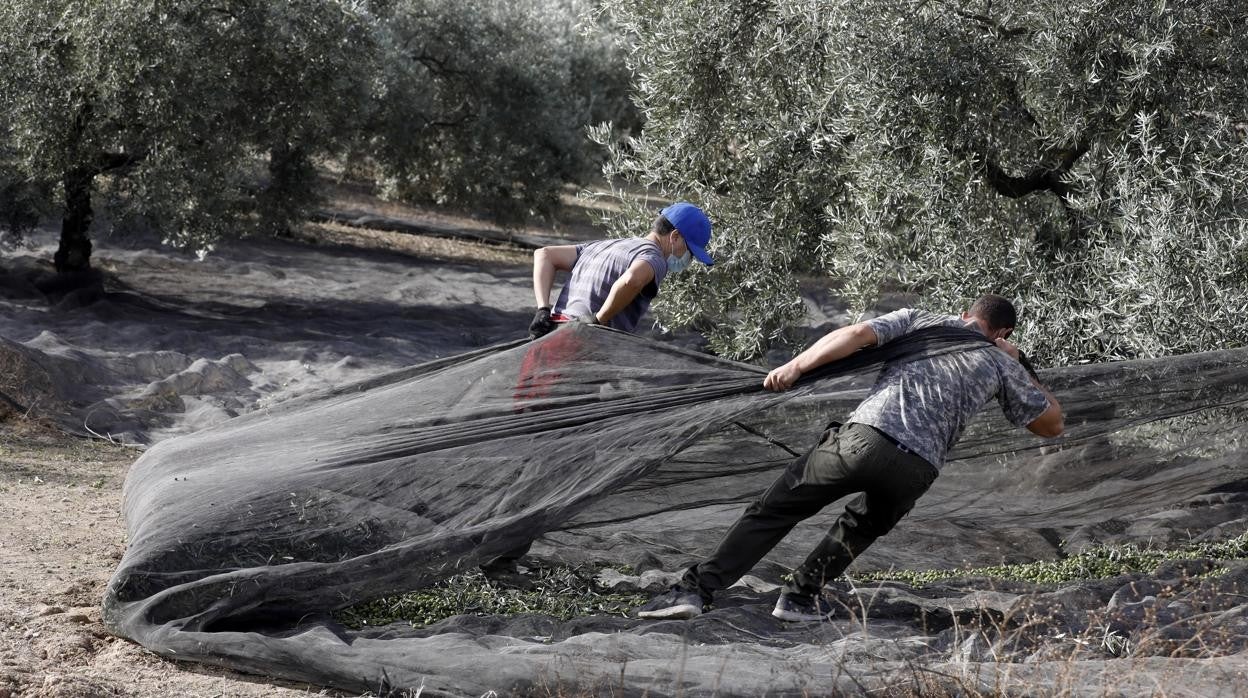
(542, 324)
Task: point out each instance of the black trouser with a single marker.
(508, 559)
(853, 458)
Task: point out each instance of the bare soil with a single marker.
(61, 536)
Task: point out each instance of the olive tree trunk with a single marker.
(74, 252)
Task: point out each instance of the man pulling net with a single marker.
(890, 450)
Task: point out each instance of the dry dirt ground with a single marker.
(61, 536)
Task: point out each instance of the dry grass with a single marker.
(442, 249)
(574, 219)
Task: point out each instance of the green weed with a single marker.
(562, 593)
(1096, 563)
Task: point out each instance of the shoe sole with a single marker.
(792, 617)
(681, 612)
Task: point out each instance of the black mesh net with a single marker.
(244, 538)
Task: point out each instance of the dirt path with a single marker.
(61, 536)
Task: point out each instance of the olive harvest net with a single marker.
(244, 538)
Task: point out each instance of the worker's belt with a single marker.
(900, 446)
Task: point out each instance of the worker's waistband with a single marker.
(900, 446)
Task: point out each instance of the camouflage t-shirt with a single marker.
(926, 404)
(598, 265)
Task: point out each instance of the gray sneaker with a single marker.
(675, 604)
(802, 608)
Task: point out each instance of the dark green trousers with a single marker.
(851, 458)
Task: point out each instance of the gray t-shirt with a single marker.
(926, 404)
(598, 265)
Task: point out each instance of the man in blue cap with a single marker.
(613, 281)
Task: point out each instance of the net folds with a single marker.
(245, 538)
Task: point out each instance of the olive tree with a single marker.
(488, 103)
(209, 118)
(1086, 158)
(169, 104)
(21, 202)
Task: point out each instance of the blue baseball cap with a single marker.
(693, 226)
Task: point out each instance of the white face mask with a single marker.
(675, 264)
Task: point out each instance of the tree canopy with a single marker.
(1088, 159)
(208, 119)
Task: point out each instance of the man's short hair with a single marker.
(662, 226)
(998, 312)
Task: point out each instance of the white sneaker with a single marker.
(673, 604)
(800, 609)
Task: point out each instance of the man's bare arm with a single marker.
(832, 346)
(625, 289)
(546, 261)
(1051, 421)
